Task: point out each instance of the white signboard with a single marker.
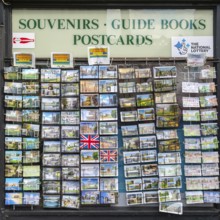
(23, 40)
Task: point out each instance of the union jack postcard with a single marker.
(89, 142)
(107, 156)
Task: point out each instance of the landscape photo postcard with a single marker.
(69, 89)
(69, 131)
(109, 169)
(30, 88)
(146, 100)
(191, 115)
(13, 143)
(149, 170)
(194, 183)
(210, 169)
(210, 183)
(108, 114)
(69, 75)
(50, 118)
(167, 121)
(108, 72)
(51, 173)
(150, 197)
(210, 157)
(144, 86)
(13, 184)
(89, 72)
(13, 115)
(142, 72)
(89, 170)
(50, 75)
(129, 130)
(149, 183)
(30, 74)
(191, 130)
(70, 187)
(131, 157)
(211, 197)
(193, 156)
(208, 73)
(169, 170)
(31, 171)
(128, 116)
(31, 198)
(13, 101)
(209, 114)
(108, 128)
(147, 142)
(51, 146)
(167, 109)
(13, 129)
(70, 103)
(169, 158)
(13, 88)
(166, 134)
(89, 197)
(31, 101)
(50, 89)
(192, 143)
(164, 71)
(171, 207)
(51, 201)
(108, 197)
(169, 145)
(31, 130)
(108, 142)
(70, 173)
(169, 195)
(70, 160)
(89, 156)
(30, 143)
(13, 198)
(69, 117)
(127, 87)
(12, 73)
(208, 129)
(72, 202)
(132, 171)
(208, 101)
(191, 102)
(89, 183)
(89, 128)
(89, 114)
(193, 170)
(196, 59)
(89, 86)
(127, 102)
(168, 97)
(50, 104)
(135, 198)
(148, 156)
(126, 72)
(51, 159)
(90, 100)
(30, 115)
(133, 184)
(146, 128)
(51, 187)
(170, 182)
(109, 184)
(131, 143)
(207, 87)
(164, 85)
(107, 100)
(108, 86)
(209, 143)
(146, 114)
(70, 146)
(31, 157)
(190, 87)
(13, 170)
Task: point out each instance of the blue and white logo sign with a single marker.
(183, 45)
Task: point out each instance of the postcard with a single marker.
(108, 128)
(13, 143)
(50, 75)
(72, 202)
(142, 72)
(51, 201)
(69, 131)
(166, 134)
(191, 102)
(131, 157)
(89, 115)
(51, 173)
(13, 129)
(208, 101)
(127, 102)
(192, 170)
(89, 156)
(50, 89)
(51, 159)
(108, 169)
(60, 59)
(13, 101)
(50, 117)
(70, 187)
(168, 97)
(70, 146)
(144, 87)
(190, 87)
(208, 73)
(145, 100)
(126, 72)
(148, 156)
(51, 187)
(191, 130)
(209, 143)
(146, 114)
(150, 197)
(207, 87)
(70, 160)
(169, 170)
(13, 184)
(132, 171)
(164, 71)
(108, 156)
(108, 86)
(31, 198)
(149, 170)
(109, 184)
(31, 184)
(169, 145)
(193, 156)
(31, 157)
(133, 184)
(196, 59)
(98, 55)
(146, 128)
(108, 114)
(170, 182)
(129, 130)
(51, 146)
(131, 143)
(31, 171)
(127, 87)
(13, 115)
(50, 104)
(13, 198)
(209, 129)
(70, 173)
(150, 183)
(90, 100)
(108, 142)
(89, 72)
(30, 88)
(89, 183)
(69, 75)
(89, 86)
(164, 85)
(167, 109)
(167, 121)
(169, 195)
(192, 143)
(147, 142)
(13, 88)
(70, 117)
(31, 102)
(89, 170)
(70, 103)
(12, 73)
(13, 170)
(194, 183)
(169, 158)
(30, 115)
(171, 207)
(109, 197)
(90, 142)
(210, 157)
(106, 100)
(31, 130)
(209, 114)
(210, 169)
(211, 197)
(210, 183)
(89, 128)
(108, 72)
(90, 197)
(135, 198)
(30, 74)
(191, 115)
(128, 116)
